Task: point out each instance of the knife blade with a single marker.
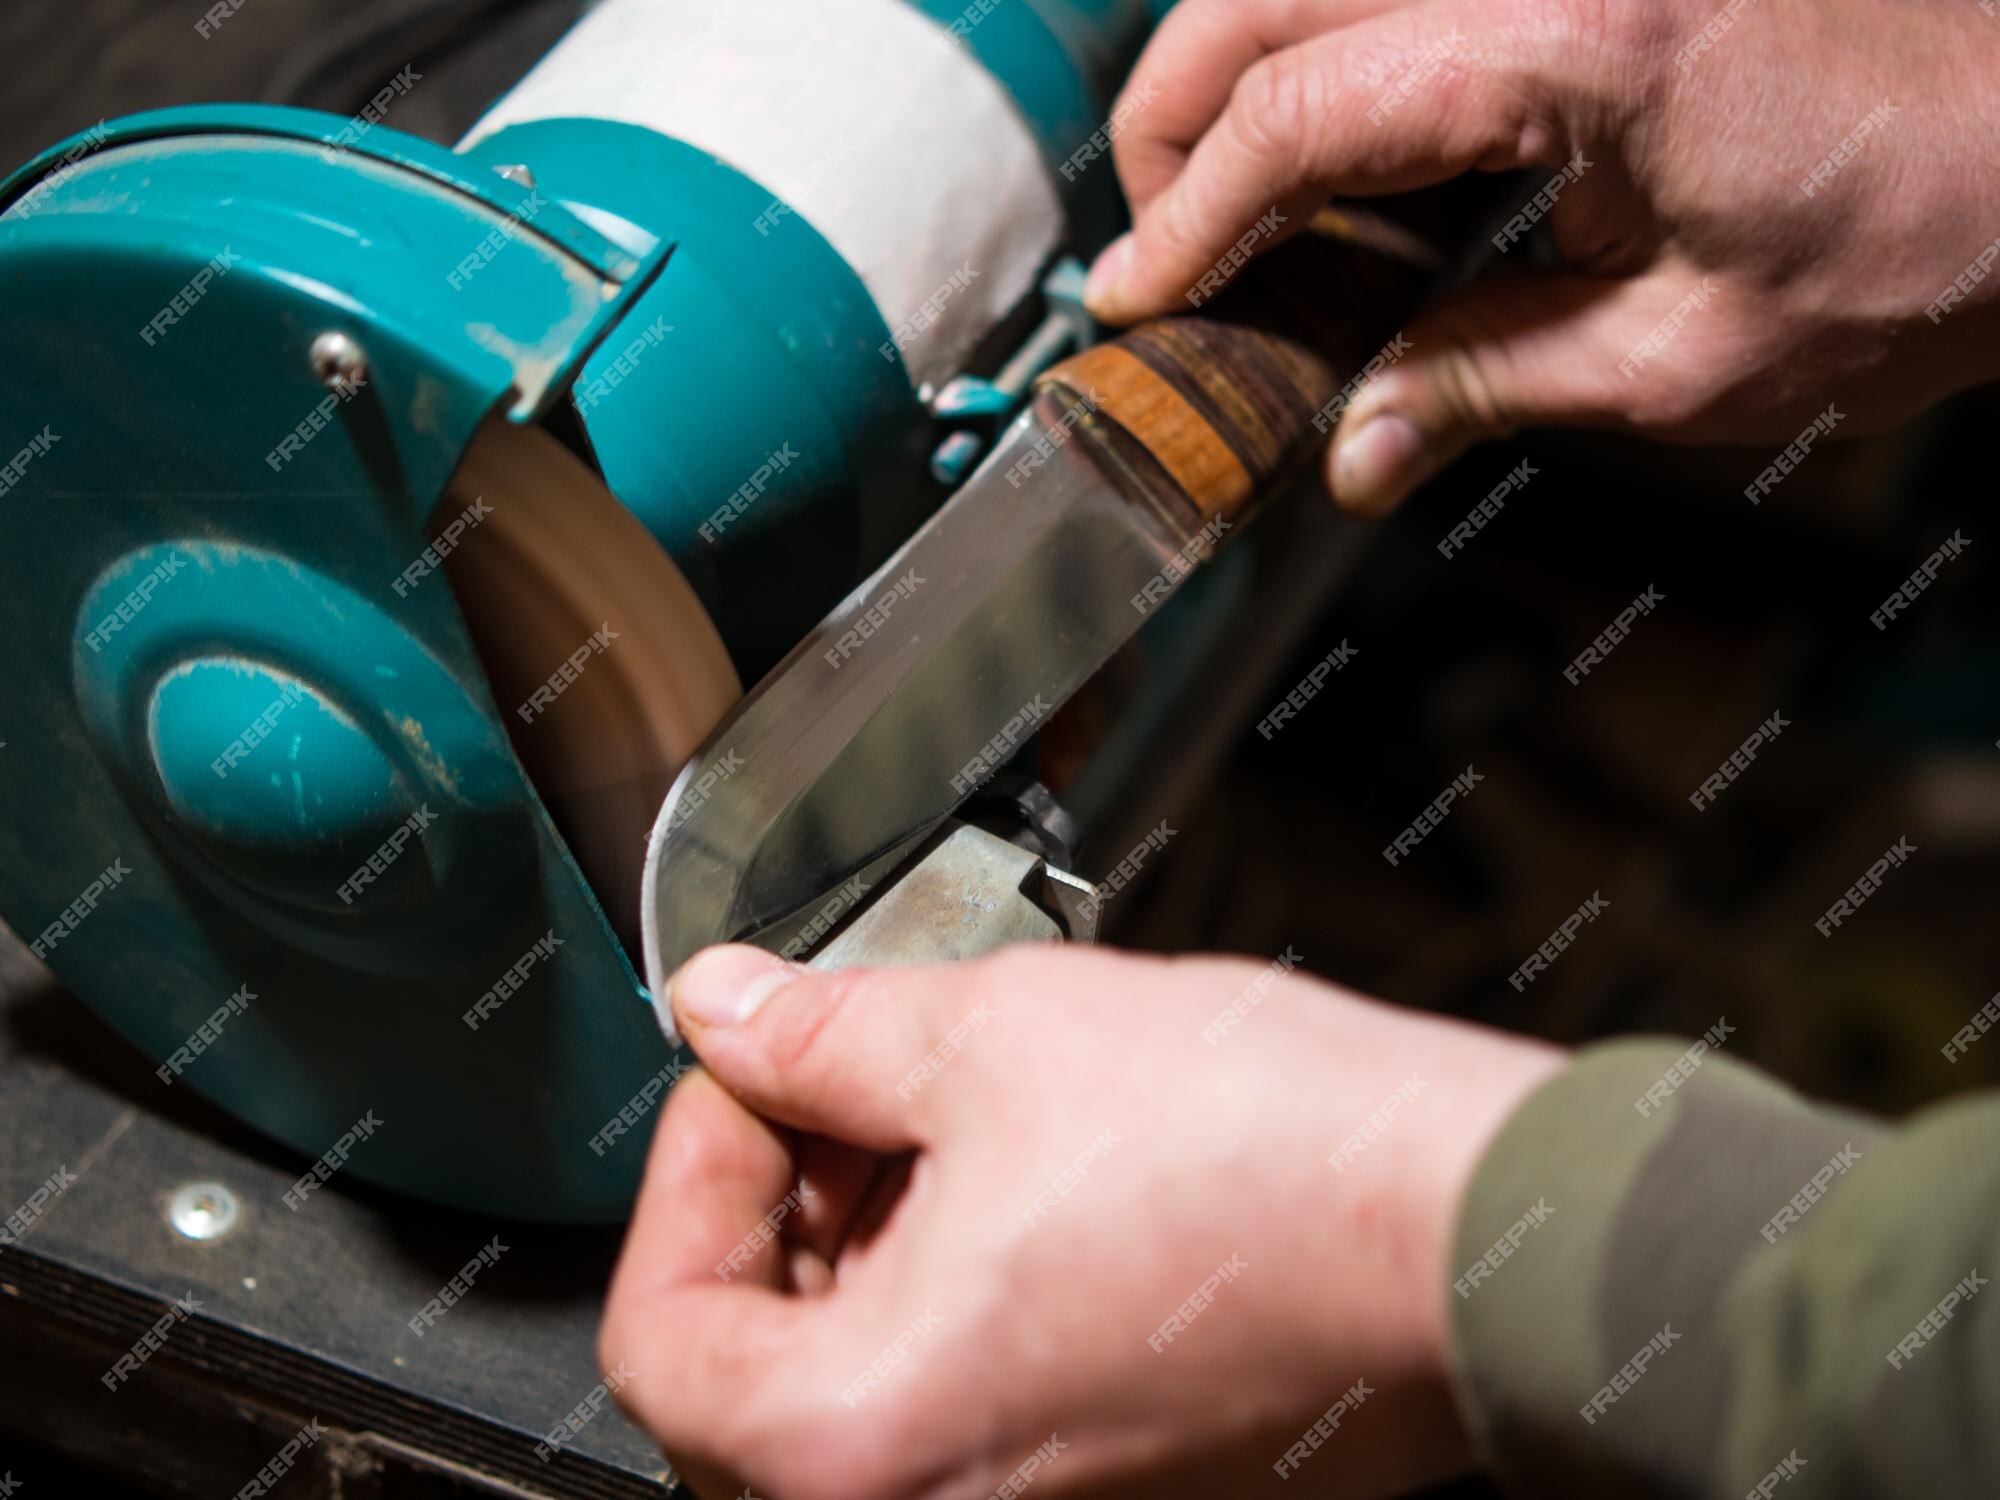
(1132, 462)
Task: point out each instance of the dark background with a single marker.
(72, 63)
(1460, 662)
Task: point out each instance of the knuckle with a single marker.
(1468, 385)
(1472, 374)
(1132, 98)
(1671, 400)
(1177, 224)
(1130, 148)
(1683, 393)
(1276, 109)
(692, 1156)
(1620, 35)
(686, 1153)
(1707, 375)
(1133, 158)
(810, 1030)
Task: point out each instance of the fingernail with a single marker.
(1377, 466)
(1100, 291)
(727, 986)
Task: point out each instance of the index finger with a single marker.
(1187, 71)
(695, 1321)
(1405, 100)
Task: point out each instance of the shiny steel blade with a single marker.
(918, 687)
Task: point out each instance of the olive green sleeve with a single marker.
(1674, 1277)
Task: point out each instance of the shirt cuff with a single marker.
(1596, 1250)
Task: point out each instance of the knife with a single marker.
(1131, 463)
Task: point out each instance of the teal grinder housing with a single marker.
(768, 274)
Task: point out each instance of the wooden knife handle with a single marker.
(1214, 410)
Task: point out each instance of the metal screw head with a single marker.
(517, 172)
(203, 1210)
(338, 361)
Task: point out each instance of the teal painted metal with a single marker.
(187, 123)
(220, 697)
(773, 350)
(984, 403)
(179, 582)
(771, 388)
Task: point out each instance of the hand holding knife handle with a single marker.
(1177, 428)
(1210, 412)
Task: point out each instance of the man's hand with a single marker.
(1122, 1226)
(1766, 207)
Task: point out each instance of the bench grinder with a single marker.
(382, 523)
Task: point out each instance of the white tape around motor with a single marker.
(865, 118)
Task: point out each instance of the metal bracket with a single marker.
(991, 401)
(966, 893)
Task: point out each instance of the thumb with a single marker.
(840, 1055)
(1521, 349)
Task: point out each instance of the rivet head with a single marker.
(338, 361)
(203, 1210)
(517, 172)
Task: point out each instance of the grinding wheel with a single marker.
(558, 566)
